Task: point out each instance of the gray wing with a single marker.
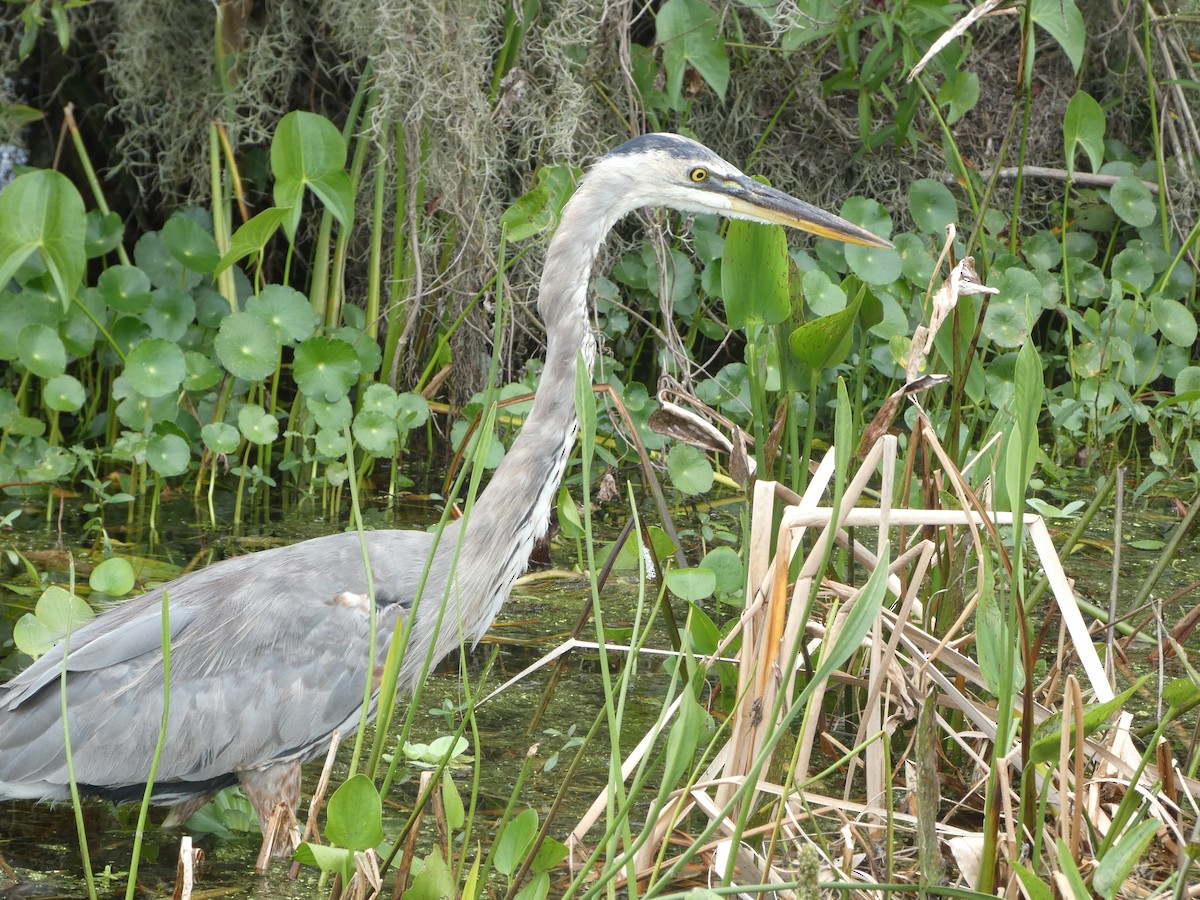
(268, 656)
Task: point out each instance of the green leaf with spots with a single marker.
(286, 310)
(246, 345)
(1022, 289)
(168, 454)
(169, 314)
(690, 470)
(412, 411)
(125, 288)
(202, 372)
(821, 296)
(330, 444)
(873, 265)
(375, 433)
(380, 398)
(825, 342)
(754, 275)
(1006, 324)
(1174, 320)
(190, 244)
(151, 255)
(332, 415)
(103, 233)
(932, 206)
(155, 368)
(63, 393)
(220, 437)
(1132, 267)
(325, 368)
(41, 350)
(1132, 201)
(916, 262)
(370, 357)
(258, 425)
(1042, 250)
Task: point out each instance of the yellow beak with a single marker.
(765, 204)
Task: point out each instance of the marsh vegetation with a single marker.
(263, 268)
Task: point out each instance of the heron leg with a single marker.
(274, 792)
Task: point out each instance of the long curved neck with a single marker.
(549, 430)
(514, 509)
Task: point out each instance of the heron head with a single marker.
(675, 171)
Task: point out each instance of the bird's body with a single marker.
(269, 651)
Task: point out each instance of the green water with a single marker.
(39, 843)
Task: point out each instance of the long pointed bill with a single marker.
(757, 201)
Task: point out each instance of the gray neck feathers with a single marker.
(513, 511)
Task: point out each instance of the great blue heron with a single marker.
(269, 650)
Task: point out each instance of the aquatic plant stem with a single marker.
(374, 273)
(90, 173)
(1072, 541)
(356, 520)
(585, 408)
(757, 394)
(76, 802)
(116, 349)
(337, 278)
(1160, 166)
(144, 812)
(1168, 554)
(221, 230)
(406, 261)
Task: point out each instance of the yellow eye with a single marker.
(699, 174)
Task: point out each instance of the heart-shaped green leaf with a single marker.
(41, 212)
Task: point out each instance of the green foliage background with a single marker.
(243, 293)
